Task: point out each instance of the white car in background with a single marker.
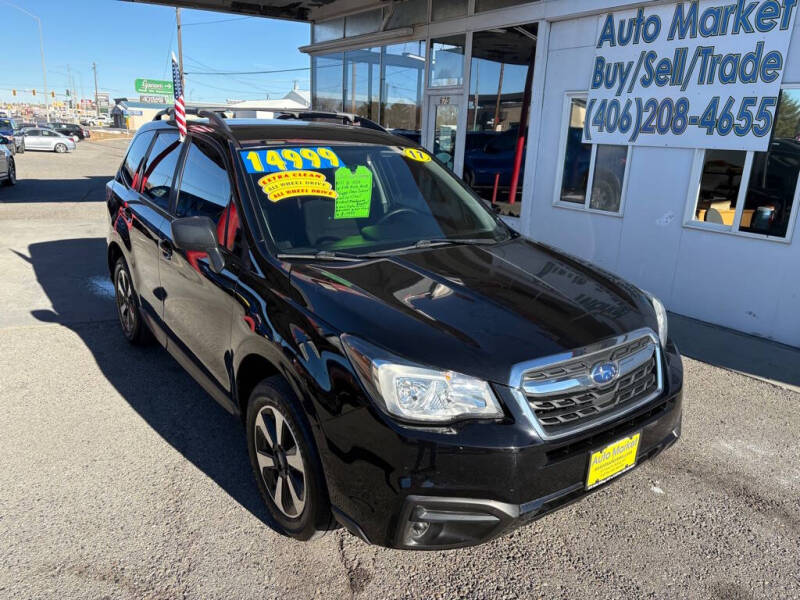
(40, 138)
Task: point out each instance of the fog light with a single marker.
(419, 529)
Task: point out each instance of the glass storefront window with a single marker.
(593, 176)
(328, 90)
(577, 156)
(499, 68)
(362, 82)
(445, 126)
(772, 187)
(608, 175)
(720, 180)
(401, 97)
(448, 9)
(447, 61)
(758, 197)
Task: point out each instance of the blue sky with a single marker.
(129, 40)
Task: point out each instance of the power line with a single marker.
(216, 21)
(248, 72)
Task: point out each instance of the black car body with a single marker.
(70, 129)
(575, 358)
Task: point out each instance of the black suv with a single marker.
(404, 363)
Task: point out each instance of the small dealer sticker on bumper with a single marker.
(612, 460)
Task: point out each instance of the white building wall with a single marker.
(752, 285)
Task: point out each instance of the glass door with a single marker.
(442, 127)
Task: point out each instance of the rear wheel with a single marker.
(12, 172)
(60, 148)
(130, 318)
(285, 461)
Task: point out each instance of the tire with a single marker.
(12, 173)
(22, 149)
(130, 319)
(60, 148)
(288, 473)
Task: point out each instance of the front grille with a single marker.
(563, 395)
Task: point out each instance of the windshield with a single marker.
(363, 198)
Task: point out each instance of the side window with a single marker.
(159, 170)
(134, 157)
(205, 191)
(34, 133)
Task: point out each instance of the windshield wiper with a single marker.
(436, 242)
(323, 255)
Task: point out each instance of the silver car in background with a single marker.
(39, 138)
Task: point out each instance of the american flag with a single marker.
(180, 109)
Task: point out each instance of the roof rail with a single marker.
(346, 118)
(214, 116)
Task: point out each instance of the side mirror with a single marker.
(198, 234)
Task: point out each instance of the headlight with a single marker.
(415, 393)
(661, 318)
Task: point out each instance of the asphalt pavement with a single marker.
(121, 478)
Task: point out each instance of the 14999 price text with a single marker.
(637, 116)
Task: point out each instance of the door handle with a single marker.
(166, 248)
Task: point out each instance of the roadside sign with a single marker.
(103, 99)
(152, 99)
(154, 86)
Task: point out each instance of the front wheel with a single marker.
(60, 148)
(12, 173)
(285, 461)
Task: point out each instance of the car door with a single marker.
(198, 303)
(50, 139)
(33, 139)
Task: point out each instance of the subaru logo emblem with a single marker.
(603, 373)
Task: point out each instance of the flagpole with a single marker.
(180, 46)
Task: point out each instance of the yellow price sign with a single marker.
(415, 154)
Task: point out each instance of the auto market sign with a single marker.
(154, 86)
(703, 74)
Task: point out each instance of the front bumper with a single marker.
(435, 489)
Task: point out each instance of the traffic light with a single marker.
(13, 92)
(33, 92)
(52, 94)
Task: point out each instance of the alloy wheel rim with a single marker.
(280, 462)
(124, 293)
(60, 148)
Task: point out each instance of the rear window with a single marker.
(134, 157)
(362, 198)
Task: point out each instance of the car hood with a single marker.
(477, 310)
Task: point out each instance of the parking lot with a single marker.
(121, 478)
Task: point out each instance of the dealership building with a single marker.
(659, 140)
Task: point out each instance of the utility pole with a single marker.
(96, 101)
(41, 48)
(180, 48)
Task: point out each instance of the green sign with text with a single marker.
(154, 86)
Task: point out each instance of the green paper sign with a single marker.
(153, 86)
(353, 193)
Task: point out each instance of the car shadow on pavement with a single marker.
(148, 378)
(83, 189)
